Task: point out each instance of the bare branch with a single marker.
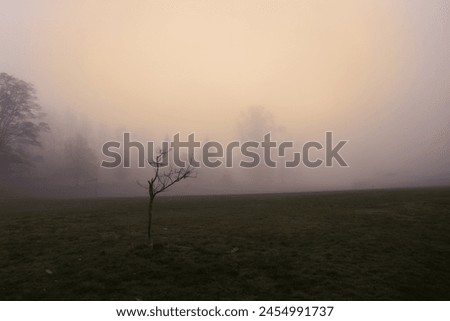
(141, 185)
(163, 177)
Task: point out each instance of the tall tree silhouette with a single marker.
(19, 121)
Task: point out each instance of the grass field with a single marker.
(375, 245)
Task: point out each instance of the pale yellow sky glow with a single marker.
(371, 71)
(209, 59)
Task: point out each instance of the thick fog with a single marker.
(375, 73)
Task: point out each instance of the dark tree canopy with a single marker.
(19, 120)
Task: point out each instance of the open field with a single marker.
(375, 245)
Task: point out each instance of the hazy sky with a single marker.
(374, 72)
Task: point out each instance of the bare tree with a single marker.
(164, 177)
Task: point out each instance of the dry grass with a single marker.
(378, 245)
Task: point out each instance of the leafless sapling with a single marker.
(164, 177)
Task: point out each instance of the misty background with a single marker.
(376, 73)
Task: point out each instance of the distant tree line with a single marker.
(22, 128)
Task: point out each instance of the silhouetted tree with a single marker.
(19, 121)
(80, 160)
(164, 177)
(255, 122)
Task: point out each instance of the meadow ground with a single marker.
(372, 245)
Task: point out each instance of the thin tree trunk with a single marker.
(149, 228)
